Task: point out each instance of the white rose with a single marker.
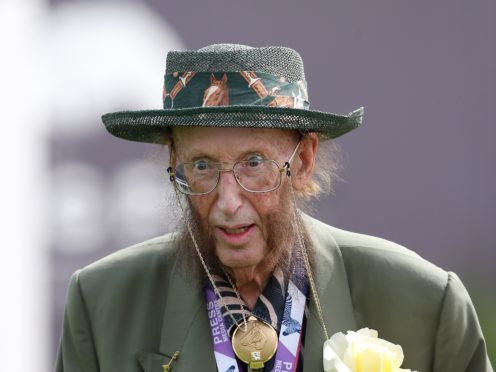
(361, 351)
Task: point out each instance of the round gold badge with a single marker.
(256, 343)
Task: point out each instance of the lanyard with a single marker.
(286, 358)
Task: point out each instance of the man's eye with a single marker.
(200, 165)
(254, 161)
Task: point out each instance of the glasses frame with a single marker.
(284, 169)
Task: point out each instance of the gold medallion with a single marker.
(256, 343)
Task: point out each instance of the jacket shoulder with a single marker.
(141, 257)
(141, 268)
(364, 253)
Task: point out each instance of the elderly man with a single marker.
(249, 282)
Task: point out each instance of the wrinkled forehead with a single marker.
(187, 140)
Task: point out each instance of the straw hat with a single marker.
(231, 85)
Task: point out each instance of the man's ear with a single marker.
(306, 157)
(172, 155)
(169, 142)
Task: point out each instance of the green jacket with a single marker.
(133, 309)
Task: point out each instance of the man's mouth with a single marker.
(235, 235)
(236, 230)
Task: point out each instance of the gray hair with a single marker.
(326, 172)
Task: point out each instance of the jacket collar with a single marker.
(334, 294)
(185, 323)
(184, 328)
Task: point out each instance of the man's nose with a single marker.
(229, 193)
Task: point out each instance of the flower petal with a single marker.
(362, 351)
(332, 361)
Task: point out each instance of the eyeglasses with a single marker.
(255, 174)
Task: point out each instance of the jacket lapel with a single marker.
(185, 325)
(333, 290)
(184, 328)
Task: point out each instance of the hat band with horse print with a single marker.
(189, 89)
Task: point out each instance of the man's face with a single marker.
(241, 222)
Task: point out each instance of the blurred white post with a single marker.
(24, 275)
(43, 53)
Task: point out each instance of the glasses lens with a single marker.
(199, 177)
(258, 175)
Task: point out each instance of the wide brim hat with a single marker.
(231, 85)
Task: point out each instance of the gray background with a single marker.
(419, 172)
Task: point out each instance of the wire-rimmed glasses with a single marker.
(254, 174)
